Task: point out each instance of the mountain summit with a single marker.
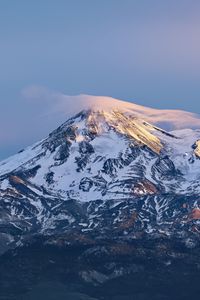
(101, 169)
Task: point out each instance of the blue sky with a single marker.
(144, 51)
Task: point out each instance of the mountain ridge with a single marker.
(102, 172)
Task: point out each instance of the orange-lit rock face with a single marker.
(197, 148)
(195, 214)
(16, 179)
(145, 188)
(137, 130)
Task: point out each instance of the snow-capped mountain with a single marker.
(103, 170)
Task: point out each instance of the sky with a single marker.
(142, 51)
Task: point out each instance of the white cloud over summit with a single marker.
(60, 105)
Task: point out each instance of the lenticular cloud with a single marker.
(64, 105)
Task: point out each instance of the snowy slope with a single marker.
(107, 154)
(104, 169)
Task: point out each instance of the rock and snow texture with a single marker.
(107, 154)
(102, 155)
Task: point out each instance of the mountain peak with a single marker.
(104, 120)
(104, 156)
